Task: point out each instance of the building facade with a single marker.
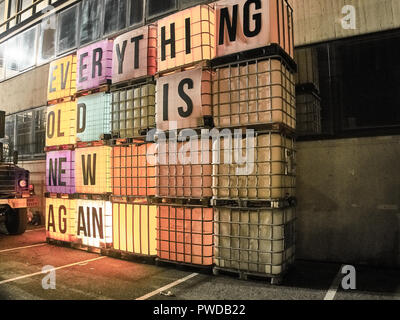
(347, 52)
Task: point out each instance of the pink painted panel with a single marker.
(94, 65)
(60, 172)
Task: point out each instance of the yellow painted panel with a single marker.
(129, 229)
(62, 78)
(137, 232)
(123, 226)
(153, 229)
(136, 229)
(93, 170)
(115, 223)
(61, 124)
(144, 222)
(60, 219)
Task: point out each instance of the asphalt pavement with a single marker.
(80, 275)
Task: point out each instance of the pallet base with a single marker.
(94, 197)
(59, 243)
(105, 87)
(246, 275)
(69, 147)
(182, 201)
(60, 100)
(98, 143)
(130, 83)
(132, 199)
(204, 64)
(247, 203)
(184, 266)
(265, 127)
(74, 245)
(51, 195)
(271, 51)
(128, 256)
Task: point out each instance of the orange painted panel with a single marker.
(185, 234)
(184, 99)
(186, 37)
(183, 174)
(132, 174)
(259, 23)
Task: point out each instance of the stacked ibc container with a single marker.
(92, 154)
(132, 117)
(253, 87)
(60, 154)
(308, 101)
(186, 44)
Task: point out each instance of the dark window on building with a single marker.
(366, 73)
(25, 133)
(12, 10)
(90, 21)
(357, 84)
(27, 45)
(136, 11)
(40, 130)
(157, 7)
(2, 61)
(190, 3)
(67, 29)
(47, 39)
(24, 4)
(12, 53)
(114, 15)
(8, 141)
(25, 140)
(2, 14)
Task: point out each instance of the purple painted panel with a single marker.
(94, 65)
(60, 171)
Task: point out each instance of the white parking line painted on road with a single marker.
(330, 295)
(55, 269)
(169, 286)
(26, 247)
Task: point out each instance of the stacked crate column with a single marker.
(60, 154)
(133, 115)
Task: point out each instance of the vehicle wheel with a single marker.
(16, 221)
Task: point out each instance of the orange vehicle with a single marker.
(16, 194)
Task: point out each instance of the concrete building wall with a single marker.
(26, 91)
(321, 20)
(349, 200)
